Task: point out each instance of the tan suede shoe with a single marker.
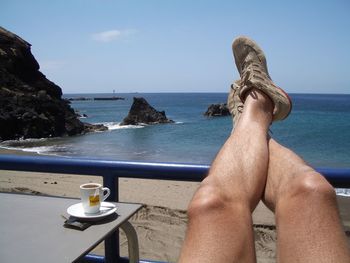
(234, 102)
(251, 64)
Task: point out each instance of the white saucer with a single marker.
(77, 210)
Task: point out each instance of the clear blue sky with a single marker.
(94, 46)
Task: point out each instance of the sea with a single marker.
(318, 129)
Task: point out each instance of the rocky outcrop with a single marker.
(80, 115)
(215, 110)
(94, 127)
(143, 113)
(31, 106)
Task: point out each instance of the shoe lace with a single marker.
(248, 69)
(252, 71)
(240, 108)
(239, 105)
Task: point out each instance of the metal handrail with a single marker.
(111, 171)
(338, 177)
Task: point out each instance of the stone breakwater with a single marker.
(96, 98)
(31, 106)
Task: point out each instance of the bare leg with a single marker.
(220, 224)
(308, 224)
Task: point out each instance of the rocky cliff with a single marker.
(31, 106)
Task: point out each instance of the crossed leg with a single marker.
(248, 167)
(307, 218)
(220, 224)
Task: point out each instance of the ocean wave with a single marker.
(343, 191)
(40, 149)
(43, 146)
(116, 126)
(21, 142)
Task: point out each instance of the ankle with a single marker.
(259, 107)
(259, 99)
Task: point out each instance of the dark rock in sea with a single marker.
(80, 115)
(143, 113)
(94, 127)
(31, 106)
(216, 110)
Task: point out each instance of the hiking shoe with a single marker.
(251, 64)
(234, 102)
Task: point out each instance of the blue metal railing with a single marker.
(111, 171)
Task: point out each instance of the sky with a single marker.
(97, 46)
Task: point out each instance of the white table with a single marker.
(31, 230)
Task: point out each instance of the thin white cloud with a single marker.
(111, 35)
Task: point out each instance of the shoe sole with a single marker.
(281, 91)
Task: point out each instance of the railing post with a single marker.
(112, 253)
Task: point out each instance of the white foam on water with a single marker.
(39, 149)
(20, 144)
(42, 150)
(116, 126)
(10, 148)
(32, 145)
(22, 141)
(343, 191)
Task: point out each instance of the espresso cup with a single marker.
(92, 194)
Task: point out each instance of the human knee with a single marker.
(311, 184)
(208, 199)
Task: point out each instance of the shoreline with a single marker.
(16, 152)
(161, 224)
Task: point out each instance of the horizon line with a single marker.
(192, 92)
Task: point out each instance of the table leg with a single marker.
(133, 244)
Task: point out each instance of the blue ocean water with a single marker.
(318, 129)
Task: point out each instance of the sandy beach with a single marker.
(161, 224)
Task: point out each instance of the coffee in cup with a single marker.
(92, 194)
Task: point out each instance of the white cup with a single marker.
(92, 194)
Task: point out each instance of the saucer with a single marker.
(77, 210)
